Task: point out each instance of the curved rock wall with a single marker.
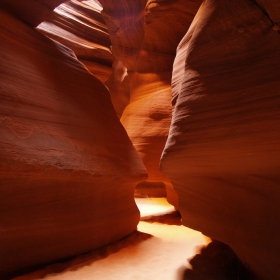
(143, 47)
(144, 39)
(147, 120)
(68, 169)
(32, 12)
(65, 156)
(80, 26)
(223, 153)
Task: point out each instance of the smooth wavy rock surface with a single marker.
(147, 121)
(32, 12)
(80, 26)
(144, 37)
(223, 153)
(68, 169)
(145, 34)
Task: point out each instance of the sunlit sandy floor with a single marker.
(159, 250)
(153, 207)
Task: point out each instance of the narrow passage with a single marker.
(159, 250)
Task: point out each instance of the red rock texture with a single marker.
(119, 86)
(142, 32)
(32, 12)
(223, 153)
(143, 45)
(147, 120)
(272, 9)
(80, 26)
(144, 40)
(68, 169)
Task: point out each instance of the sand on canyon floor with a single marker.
(159, 249)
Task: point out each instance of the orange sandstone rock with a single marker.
(32, 12)
(144, 37)
(223, 153)
(80, 26)
(147, 120)
(68, 169)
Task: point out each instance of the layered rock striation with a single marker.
(144, 40)
(79, 25)
(223, 153)
(68, 169)
(141, 49)
(147, 120)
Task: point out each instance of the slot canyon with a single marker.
(106, 104)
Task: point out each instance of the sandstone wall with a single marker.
(68, 169)
(80, 26)
(223, 153)
(144, 36)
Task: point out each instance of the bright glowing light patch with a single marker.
(153, 207)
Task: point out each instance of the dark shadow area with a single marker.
(77, 262)
(217, 261)
(173, 218)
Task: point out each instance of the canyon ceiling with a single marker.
(97, 97)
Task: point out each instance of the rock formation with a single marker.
(147, 121)
(223, 153)
(144, 46)
(144, 40)
(32, 12)
(80, 26)
(68, 169)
